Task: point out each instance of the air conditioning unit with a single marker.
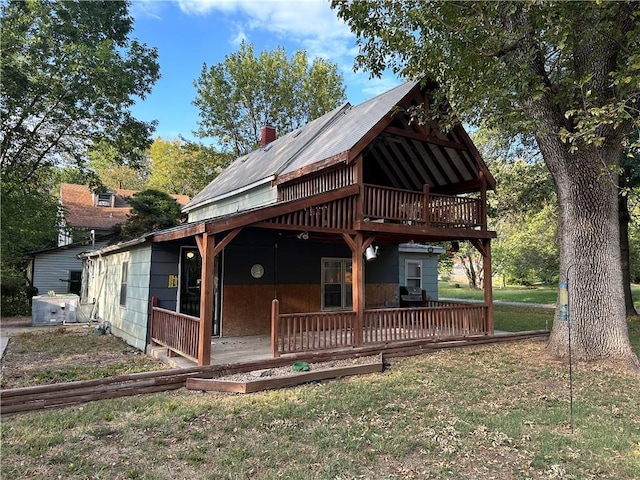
(46, 310)
(104, 203)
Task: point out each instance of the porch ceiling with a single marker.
(408, 155)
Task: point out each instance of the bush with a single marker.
(15, 293)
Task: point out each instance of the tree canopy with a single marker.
(70, 72)
(240, 95)
(151, 210)
(566, 74)
(183, 167)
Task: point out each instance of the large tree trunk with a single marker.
(589, 256)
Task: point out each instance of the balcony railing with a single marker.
(394, 205)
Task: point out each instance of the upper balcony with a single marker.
(407, 207)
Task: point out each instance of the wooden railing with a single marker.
(338, 214)
(407, 206)
(448, 211)
(303, 332)
(393, 204)
(333, 180)
(447, 320)
(176, 331)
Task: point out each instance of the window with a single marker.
(336, 284)
(123, 284)
(413, 273)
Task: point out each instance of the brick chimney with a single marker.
(267, 135)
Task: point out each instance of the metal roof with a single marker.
(334, 133)
(399, 152)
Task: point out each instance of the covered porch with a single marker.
(296, 334)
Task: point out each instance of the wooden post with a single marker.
(425, 205)
(357, 288)
(488, 284)
(207, 244)
(483, 201)
(358, 179)
(275, 327)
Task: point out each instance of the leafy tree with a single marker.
(564, 73)
(151, 210)
(184, 167)
(109, 171)
(29, 218)
(240, 95)
(70, 72)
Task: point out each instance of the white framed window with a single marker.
(336, 284)
(413, 273)
(123, 284)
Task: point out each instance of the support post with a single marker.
(275, 327)
(425, 205)
(483, 201)
(207, 245)
(357, 288)
(488, 284)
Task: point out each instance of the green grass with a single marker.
(540, 294)
(499, 411)
(518, 319)
(545, 294)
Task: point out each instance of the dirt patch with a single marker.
(55, 354)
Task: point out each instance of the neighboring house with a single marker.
(310, 238)
(87, 224)
(93, 215)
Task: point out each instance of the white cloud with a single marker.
(310, 23)
(146, 8)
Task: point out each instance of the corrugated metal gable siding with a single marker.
(49, 267)
(256, 197)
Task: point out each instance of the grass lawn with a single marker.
(499, 411)
(513, 293)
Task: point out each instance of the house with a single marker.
(87, 223)
(305, 238)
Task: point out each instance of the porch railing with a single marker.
(176, 331)
(446, 320)
(303, 332)
(421, 208)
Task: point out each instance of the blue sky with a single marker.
(188, 33)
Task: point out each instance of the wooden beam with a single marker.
(225, 241)
(321, 165)
(187, 231)
(425, 138)
(208, 243)
(422, 231)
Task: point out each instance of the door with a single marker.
(190, 278)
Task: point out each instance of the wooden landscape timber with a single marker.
(271, 383)
(42, 397)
